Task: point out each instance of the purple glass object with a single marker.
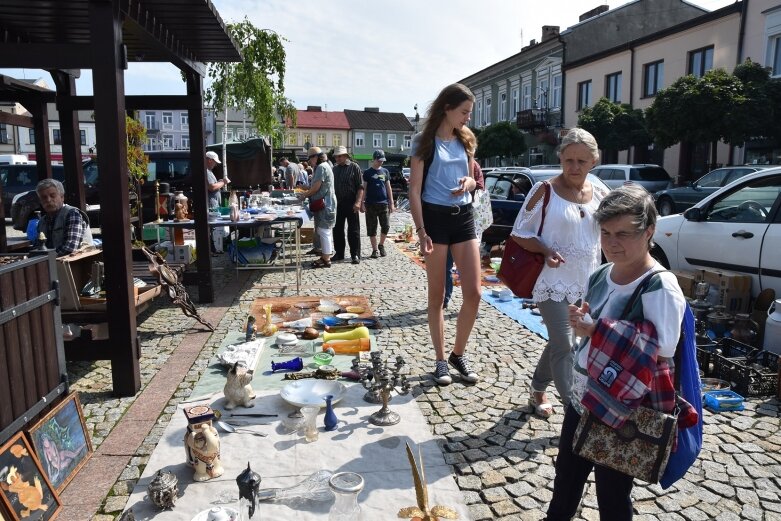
(295, 364)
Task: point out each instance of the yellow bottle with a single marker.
(358, 332)
(348, 347)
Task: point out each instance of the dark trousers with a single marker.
(344, 212)
(613, 488)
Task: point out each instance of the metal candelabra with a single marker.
(382, 379)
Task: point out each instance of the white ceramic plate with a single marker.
(347, 316)
(286, 338)
(311, 392)
(231, 514)
(328, 308)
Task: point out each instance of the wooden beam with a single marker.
(109, 89)
(16, 119)
(200, 190)
(71, 143)
(45, 55)
(132, 103)
(41, 132)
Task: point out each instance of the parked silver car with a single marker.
(651, 177)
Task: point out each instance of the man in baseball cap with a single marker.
(214, 157)
(349, 194)
(215, 186)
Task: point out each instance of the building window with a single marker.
(700, 61)
(526, 102)
(407, 141)
(186, 142)
(149, 121)
(184, 121)
(391, 140)
(168, 141)
(32, 135)
(516, 102)
(479, 112)
(377, 140)
(321, 140)
(307, 138)
(555, 96)
(542, 94)
(774, 52)
(292, 139)
(56, 138)
(488, 111)
(653, 78)
(149, 145)
(3, 133)
(83, 137)
(359, 140)
(229, 135)
(168, 120)
(337, 140)
(584, 94)
(613, 87)
(240, 135)
(503, 107)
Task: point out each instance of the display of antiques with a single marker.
(249, 485)
(384, 380)
(202, 443)
(422, 510)
(238, 388)
(163, 490)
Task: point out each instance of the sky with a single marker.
(351, 54)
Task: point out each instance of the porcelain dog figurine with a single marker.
(238, 390)
(202, 444)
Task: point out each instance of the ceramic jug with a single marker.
(772, 341)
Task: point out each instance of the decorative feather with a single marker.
(422, 511)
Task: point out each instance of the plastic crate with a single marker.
(706, 357)
(756, 375)
(724, 400)
(731, 348)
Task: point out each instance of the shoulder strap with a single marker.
(545, 201)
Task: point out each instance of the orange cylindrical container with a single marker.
(348, 347)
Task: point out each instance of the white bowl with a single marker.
(312, 392)
(328, 308)
(286, 338)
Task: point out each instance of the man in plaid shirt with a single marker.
(65, 227)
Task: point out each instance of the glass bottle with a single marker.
(346, 486)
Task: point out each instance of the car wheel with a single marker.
(666, 206)
(658, 254)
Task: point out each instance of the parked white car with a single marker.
(737, 228)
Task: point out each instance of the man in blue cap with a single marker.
(377, 202)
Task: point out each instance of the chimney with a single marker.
(371, 109)
(314, 108)
(549, 31)
(532, 43)
(594, 12)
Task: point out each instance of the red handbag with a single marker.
(315, 205)
(520, 267)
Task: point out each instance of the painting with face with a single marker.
(61, 442)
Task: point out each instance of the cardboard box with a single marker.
(734, 288)
(73, 272)
(183, 254)
(307, 235)
(687, 280)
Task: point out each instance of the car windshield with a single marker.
(649, 174)
(712, 179)
(168, 169)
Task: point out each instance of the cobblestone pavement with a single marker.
(502, 456)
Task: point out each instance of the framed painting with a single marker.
(61, 442)
(25, 491)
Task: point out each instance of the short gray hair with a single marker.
(45, 184)
(631, 199)
(579, 136)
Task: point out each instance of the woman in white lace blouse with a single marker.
(570, 244)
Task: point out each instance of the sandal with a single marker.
(541, 408)
(320, 263)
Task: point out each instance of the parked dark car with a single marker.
(651, 177)
(506, 202)
(20, 178)
(676, 200)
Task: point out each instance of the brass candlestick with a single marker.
(385, 380)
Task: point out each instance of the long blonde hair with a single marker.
(449, 98)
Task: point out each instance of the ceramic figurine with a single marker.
(163, 489)
(249, 485)
(238, 390)
(251, 329)
(202, 444)
(330, 421)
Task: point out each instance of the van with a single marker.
(15, 159)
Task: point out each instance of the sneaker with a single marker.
(381, 247)
(374, 254)
(464, 367)
(442, 373)
(356, 259)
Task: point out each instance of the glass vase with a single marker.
(346, 487)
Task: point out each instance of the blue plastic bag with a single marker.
(32, 230)
(689, 440)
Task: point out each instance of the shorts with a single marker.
(374, 213)
(449, 224)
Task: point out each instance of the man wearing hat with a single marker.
(377, 202)
(349, 194)
(215, 186)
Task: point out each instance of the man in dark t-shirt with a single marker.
(377, 202)
(349, 193)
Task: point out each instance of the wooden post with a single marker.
(71, 142)
(37, 108)
(108, 86)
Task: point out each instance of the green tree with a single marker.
(698, 110)
(761, 112)
(257, 83)
(615, 126)
(501, 139)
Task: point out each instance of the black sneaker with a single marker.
(381, 247)
(464, 367)
(374, 254)
(442, 373)
(356, 259)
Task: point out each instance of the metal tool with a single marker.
(230, 428)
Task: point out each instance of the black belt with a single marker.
(452, 209)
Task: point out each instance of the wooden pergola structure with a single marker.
(103, 35)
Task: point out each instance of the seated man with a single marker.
(66, 227)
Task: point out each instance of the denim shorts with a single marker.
(449, 224)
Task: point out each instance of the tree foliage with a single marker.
(615, 126)
(257, 83)
(501, 139)
(136, 159)
(761, 111)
